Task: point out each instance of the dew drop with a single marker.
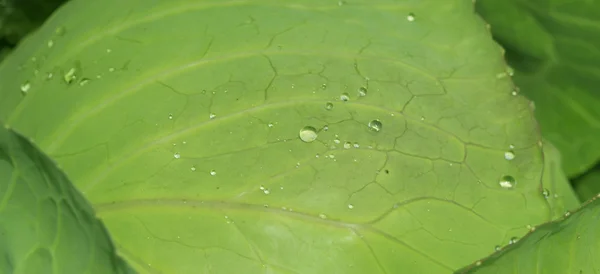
(308, 134)
(513, 240)
(193, 168)
(356, 145)
(322, 216)
(497, 248)
(84, 81)
(25, 87)
(270, 125)
(266, 191)
(345, 97)
(177, 155)
(329, 106)
(324, 86)
(567, 214)
(336, 140)
(60, 31)
(70, 76)
(212, 116)
(170, 116)
(350, 206)
(375, 125)
(509, 155)
(546, 193)
(50, 43)
(362, 91)
(507, 182)
(410, 17)
(347, 145)
(213, 172)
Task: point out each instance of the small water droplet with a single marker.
(497, 248)
(546, 193)
(266, 191)
(193, 168)
(567, 213)
(410, 17)
(177, 155)
(50, 43)
(362, 91)
(347, 145)
(345, 97)
(49, 75)
(509, 155)
(308, 134)
(510, 71)
(108, 50)
(213, 172)
(337, 140)
(111, 69)
(326, 128)
(507, 181)
(212, 116)
(329, 106)
(71, 75)
(84, 81)
(270, 125)
(170, 116)
(356, 145)
(513, 240)
(350, 206)
(322, 216)
(60, 31)
(324, 86)
(375, 125)
(25, 87)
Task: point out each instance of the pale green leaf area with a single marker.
(569, 245)
(46, 226)
(554, 47)
(556, 186)
(180, 121)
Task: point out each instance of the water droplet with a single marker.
(177, 155)
(270, 125)
(510, 71)
(108, 50)
(546, 193)
(111, 69)
(84, 81)
(322, 216)
(50, 43)
(170, 116)
(212, 116)
(25, 87)
(375, 125)
(71, 75)
(213, 172)
(266, 191)
(60, 31)
(350, 206)
(347, 145)
(362, 91)
(326, 128)
(308, 134)
(337, 140)
(329, 106)
(509, 155)
(507, 182)
(193, 168)
(345, 97)
(324, 86)
(513, 240)
(410, 17)
(497, 248)
(356, 145)
(49, 75)
(567, 214)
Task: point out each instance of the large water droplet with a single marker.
(375, 125)
(345, 97)
(362, 91)
(507, 182)
(410, 17)
(25, 87)
(308, 134)
(329, 106)
(546, 193)
(509, 155)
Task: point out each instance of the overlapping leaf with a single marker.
(46, 226)
(180, 121)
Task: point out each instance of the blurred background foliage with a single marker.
(553, 47)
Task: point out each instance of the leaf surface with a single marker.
(554, 48)
(570, 245)
(46, 226)
(284, 137)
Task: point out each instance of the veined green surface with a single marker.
(183, 123)
(570, 245)
(46, 226)
(554, 47)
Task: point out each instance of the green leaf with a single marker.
(588, 185)
(556, 186)
(46, 226)
(554, 48)
(570, 245)
(284, 137)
